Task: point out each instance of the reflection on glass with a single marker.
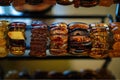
(9, 10)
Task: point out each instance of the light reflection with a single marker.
(9, 10)
(117, 9)
(14, 12)
(1, 11)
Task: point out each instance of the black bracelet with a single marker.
(34, 2)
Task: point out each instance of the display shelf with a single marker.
(5, 13)
(102, 17)
(53, 16)
(49, 58)
(26, 56)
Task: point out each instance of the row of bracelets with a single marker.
(76, 38)
(76, 3)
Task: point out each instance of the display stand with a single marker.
(101, 17)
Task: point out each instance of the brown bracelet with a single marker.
(76, 3)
